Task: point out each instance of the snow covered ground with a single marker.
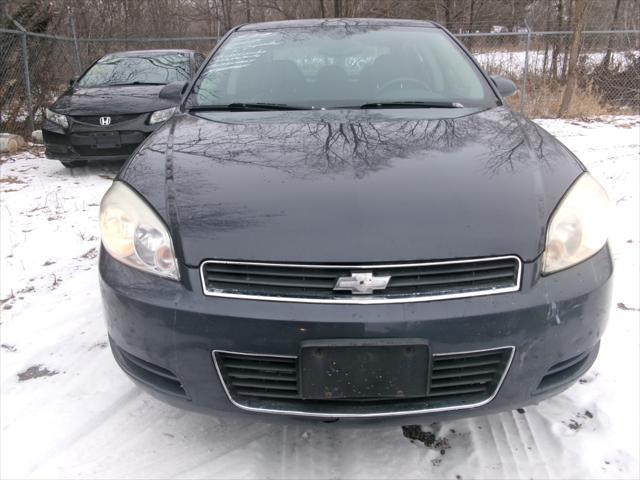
(68, 411)
(512, 62)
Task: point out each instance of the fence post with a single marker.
(75, 44)
(523, 97)
(27, 80)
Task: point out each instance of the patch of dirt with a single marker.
(622, 306)
(100, 345)
(36, 371)
(9, 348)
(5, 300)
(93, 253)
(415, 433)
(584, 416)
(12, 179)
(47, 263)
(28, 289)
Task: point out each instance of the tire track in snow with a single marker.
(531, 445)
(87, 428)
(244, 438)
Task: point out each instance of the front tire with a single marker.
(74, 163)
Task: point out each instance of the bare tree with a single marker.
(607, 58)
(579, 20)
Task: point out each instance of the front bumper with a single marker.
(83, 141)
(172, 329)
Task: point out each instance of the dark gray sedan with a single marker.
(345, 221)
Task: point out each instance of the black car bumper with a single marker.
(83, 141)
(538, 341)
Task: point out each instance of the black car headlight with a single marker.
(133, 233)
(579, 226)
(161, 115)
(56, 118)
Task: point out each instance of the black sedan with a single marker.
(345, 221)
(115, 105)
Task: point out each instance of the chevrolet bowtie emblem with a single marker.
(362, 283)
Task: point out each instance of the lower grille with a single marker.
(270, 383)
(149, 374)
(89, 151)
(260, 376)
(403, 282)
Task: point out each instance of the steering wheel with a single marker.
(403, 80)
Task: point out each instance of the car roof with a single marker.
(337, 22)
(137, 53)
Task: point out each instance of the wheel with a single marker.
(74, 163)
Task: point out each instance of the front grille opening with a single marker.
(261, 377)
(564, 372)
(150, 374)
(88, 151)
(413, 282)
(271, 383)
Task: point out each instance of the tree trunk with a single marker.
(565, 55)
(607, 58)
(323, 12)
(337, 8)
(556, 44)
(247, 9)
(579, 10)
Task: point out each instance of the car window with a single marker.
(131, 70)
(334, 66)
(199, 60)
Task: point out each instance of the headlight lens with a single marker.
(578, 227)
(56, 118)
(134, 234)
(161, 115)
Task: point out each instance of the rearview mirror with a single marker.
(72, 81)
(505, 87)
(173, 91)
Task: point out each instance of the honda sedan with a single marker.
(345, 221)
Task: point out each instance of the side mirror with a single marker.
(72, 81)
(173, 91)
(505, 86)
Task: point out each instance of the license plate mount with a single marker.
(106, 140)
(364, 369)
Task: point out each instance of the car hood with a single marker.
(353, 186)
(111, 100)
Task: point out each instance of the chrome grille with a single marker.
(409, 282)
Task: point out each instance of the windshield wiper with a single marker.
(412, 104)
(133, 83)
(248, 107)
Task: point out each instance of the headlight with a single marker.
(134, 234)
(578, 227)
(56, 118)
(161, 115)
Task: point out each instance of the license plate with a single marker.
(364, 369)
(106, 140)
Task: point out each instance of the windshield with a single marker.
(132, 70)
(331, 67)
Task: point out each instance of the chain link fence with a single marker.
(608, 70)
(36, 68)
